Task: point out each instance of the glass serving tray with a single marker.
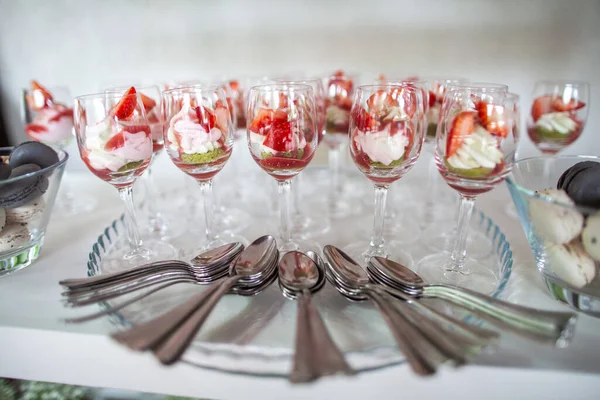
(255, 335)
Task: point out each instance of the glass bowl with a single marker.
(561, 234)
(28, 200)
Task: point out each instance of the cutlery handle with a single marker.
(112, 283)
(110, 310)
(474, 334)
(177, 341)
(552, 327)
(315, 354)
(79, 282)
(80, 301)
(144, 336)
(406, 337)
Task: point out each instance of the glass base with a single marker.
(302, 245)
(306, 227)
(440, 238)
(121, 257)
(361, 253)
(478, 275)
(194, 248)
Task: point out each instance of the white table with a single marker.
(35, 345)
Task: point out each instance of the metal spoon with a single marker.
(200, 262)
(316, 354)
(545, 326)
(253, 271)
(153, 332)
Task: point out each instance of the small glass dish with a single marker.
(559, 231)
(23, 222)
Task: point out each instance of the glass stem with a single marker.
(207, 198)
(459, 251)
(296, 196)
(133, 233)
(151, 199)
(377, 242)
(284, 215)
(431, 194)
(334, 155)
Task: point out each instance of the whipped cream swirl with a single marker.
(381, 146)
(559, 122)
(188, 137)
(478, 150)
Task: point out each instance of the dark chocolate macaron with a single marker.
(570, 173)
(33, 153)
(4, 171)
(24, 190)
(584, 188)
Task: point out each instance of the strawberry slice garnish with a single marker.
(39, 98)
(234, 85)
(65, 113)
(493, 118)
(148, 102)
(364, 121)
(115, 142)
(406, 100)
(380, 101)
(278, 136)
(462, 127)
(432, 99)
(541, 105)
(221, 116)
(265, 118)
(559, 105)
(206, 118)
(137, 129)
(32, 130)
(126, 106)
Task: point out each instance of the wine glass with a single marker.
(283, 135)
(339, 89)
(158, 223)
(304, 225)
(48, 118)
(558, 114)
(386, 136)
(198, 133)
(474, 151)
(115, 142)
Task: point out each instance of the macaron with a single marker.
(568, 175)
(26, 213)
(5, 170)
(554, 223)
(23, 191)
(13, 236)
(571, 263)
(584, 188)
(2, 219)
(590, 236)
(33, 153)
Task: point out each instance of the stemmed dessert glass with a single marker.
(158, 223)
(198, 133)
(386, 136)
(558, 114)
(474, 151)
(115, 142)
(282, 137)
(48, 118)
(339, 89)
(303, 225)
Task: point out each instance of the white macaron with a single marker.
(590, 236)
(26, 213)
(571, 263)
(13, 236)
(554, 223)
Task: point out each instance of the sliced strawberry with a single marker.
(462, 126)
(234, 85)
(541, 105)
(345, 103)
(206, 117)
(265, 118)
(65, 113)
(381, 78)
(148, 102)
(406, 99)
(559, 105)
(380, 101)
(493, 118)
(115, 142)
(278, 136)
(222, 115)
(126, 106)
(432, 99)
(364, 121)
(39, 98)
(33, 130)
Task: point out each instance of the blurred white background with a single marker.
(86, 44)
